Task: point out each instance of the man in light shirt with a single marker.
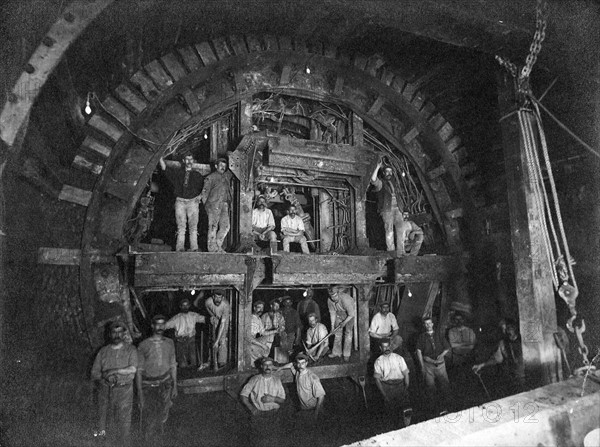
(256, 336)
(392, 378)
(184, 324)
(292, 229)
(385, 326)
(315, 333)
(263, 224)
(342, 310)
(262, 396)
(219, 310)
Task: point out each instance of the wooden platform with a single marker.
(233, 381)
(162, 270)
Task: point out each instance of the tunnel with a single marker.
(303, 100)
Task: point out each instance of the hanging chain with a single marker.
(541, 22)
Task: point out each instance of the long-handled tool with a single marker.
(213, 349)
(362, 382)
(483, 384)
(313, 349)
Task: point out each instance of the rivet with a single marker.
(48, 41)
(12, 97)
(29, 68)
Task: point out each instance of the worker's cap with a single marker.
(276, 300)
(219, 292)
(265, 360)
(302, 356)
(286, 298)
(185, 300)
(117, 324)
(336, 288)
(385, 303)
(259, 302)
(157, 318)
(260, 197)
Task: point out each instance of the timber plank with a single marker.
(238, 45)
(190, 58)
(191, 101)
(75, 195)
(117, 110)
(376, 105)
(253, 44)
(104, 126)
(174, 67)
(329, 264)
(130, 98)
(221, 48)
(96, 146)
(206, 53)
(411, 135)
(158, 75)
(188, 280)
(83, 163)
(145, 85)
(190, 263)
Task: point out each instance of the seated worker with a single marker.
(263, 224)
(412, 235)
(273, 322)
(256, 335)
(184, 324)
(384, 326)
(316, 332)
(262, 396)
(392, 378)
(292, 228)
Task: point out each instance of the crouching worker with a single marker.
(156, 381)
(262, 396)
(392, 378)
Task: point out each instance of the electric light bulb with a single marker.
(307, 69)
(404, 174)
(205, 135)
(88, 108)
(409, 293)
(193, 292)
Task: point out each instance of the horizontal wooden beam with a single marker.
(66, 256)
(424, 268)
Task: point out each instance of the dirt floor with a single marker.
(65, 417)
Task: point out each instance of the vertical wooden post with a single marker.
(364, 342)
(245, 117)
(535, 294)
(243, 320)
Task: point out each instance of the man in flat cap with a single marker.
(219, 310)
(113, 371)
(274, 322)
(342, 310)
(156, 380)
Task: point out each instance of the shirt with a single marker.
(275, 321)
(344, 308)
(292, 224)
(156, 356)
(383, 325)
(256, 326)
(390, 367)
(315, 334)
(292, 320)
(387, 198)
(309, 388)
(262, 219)
(308, 306)
(260, 385)
(222, 311)
(185, 323)
(432, 345)
(217, 188)
(458, 335)
(186, 184)
(110, 358)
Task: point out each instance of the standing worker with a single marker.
(219, 310)
(217, 196)
(187, 185)
(184, 324)
(342, 310)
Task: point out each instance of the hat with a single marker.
(259, 302)
(184, 300)
(286, 298)
(158, 317)
(219, 292)
(116, 324)
(266, 359)
(302, 356)
(276, 300)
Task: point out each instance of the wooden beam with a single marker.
(75, 195)
(535, 294)
(426, 268)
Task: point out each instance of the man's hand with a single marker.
(477, 368)
(174, 391)
(254, 411)
(267, 399)
(141, 401)
(215, 344)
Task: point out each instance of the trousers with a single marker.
(218, 225)
(114, 409)
(348, 336)
(157, 403)
(300, 239)
(437, 374)
(186, 215)
(185, 351)
(393, 218)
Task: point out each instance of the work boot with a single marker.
(407, 415)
